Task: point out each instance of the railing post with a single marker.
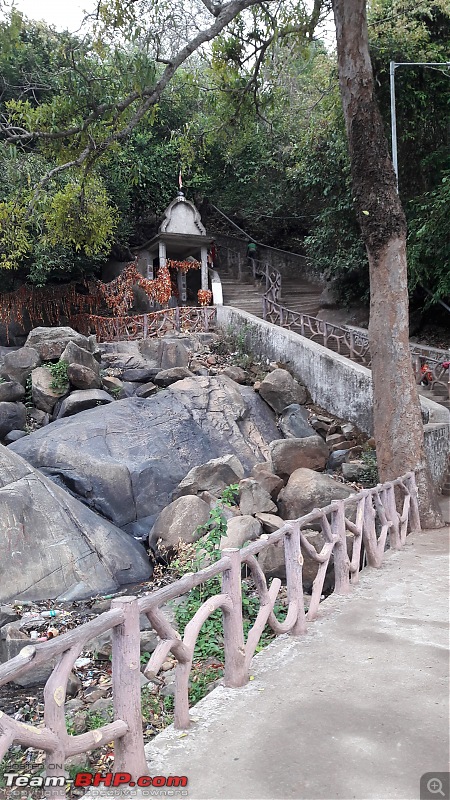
(239, 267)
(341, 560)
(145, 332)
(235, 673)
(177, 318)
(294, 577)
(352, 355)
(414, 517)
(128, 749)
(395, 541)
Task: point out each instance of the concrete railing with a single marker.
(144, 326)
(382, 517)
(347, 341)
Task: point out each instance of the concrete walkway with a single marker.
(358, 708)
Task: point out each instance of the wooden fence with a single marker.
(381, 518)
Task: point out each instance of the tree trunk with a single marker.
(398, 427)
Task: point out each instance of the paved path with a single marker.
(358, 708)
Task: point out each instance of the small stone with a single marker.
(236, 374)
(144, 681)
(345, 445)
(103, 707)
(79, 722)
(14, 436)
(11, 391)
(7, 615)
(74, 705)
(149, 641)
(168, 691)
(94, 693)
(146, 390)
(13, 417)
(257, 386)
(211, 361)
(336, 459)
(74, 685)
(354, 470)
(335, 438)
(166, 665)
(110, 382)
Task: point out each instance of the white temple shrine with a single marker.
(181, 237)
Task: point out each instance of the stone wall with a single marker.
(335, 383)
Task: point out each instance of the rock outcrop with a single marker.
(125, 459)
(52, 546)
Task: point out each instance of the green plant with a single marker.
(60, 377)
(210, 640)
(95, 720)
(230, 494)
(28, 393)
(370, 475)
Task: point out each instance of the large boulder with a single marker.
(81, 400)
(279, 389)
(306, 490)
(240, 530)
(44, 395)
(168, 376)
(13, 416)
(19, 364)
(83, 369)
(287, 455)
(213, 477)
(294, 423)
(11, 392)
(270, 482)
(168, 352)
(254, 498)
(52, 546)
(50, 343)
(126, 459)
(126, 356)
(180, 520)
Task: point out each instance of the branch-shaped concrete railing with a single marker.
(347, 341)
(371, 519)
(143, 326)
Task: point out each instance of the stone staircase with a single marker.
(299, 295)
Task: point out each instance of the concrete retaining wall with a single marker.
(335, 383)
(437, 449)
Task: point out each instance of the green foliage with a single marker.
(230, 494)
(428, 243)
(80, 215)
(60, 377)
(28, 393)
(210, 640)
(370, 476)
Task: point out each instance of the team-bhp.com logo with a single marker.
(109, 779)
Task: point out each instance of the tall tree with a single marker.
(397, 420)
